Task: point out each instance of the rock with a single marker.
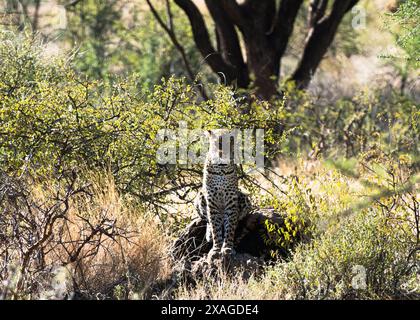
(190, 249)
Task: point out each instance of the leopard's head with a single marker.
(222, 146)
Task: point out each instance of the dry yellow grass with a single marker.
(138, 258)
(108, 247)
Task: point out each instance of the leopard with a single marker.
(220, 196)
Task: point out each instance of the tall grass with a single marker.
(105, 246)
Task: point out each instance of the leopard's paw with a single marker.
(227, 251)
(213, 254)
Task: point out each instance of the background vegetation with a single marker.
(87, 212)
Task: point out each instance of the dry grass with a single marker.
(128, 259)
(108, 247)
(226, 287)
(133, 262)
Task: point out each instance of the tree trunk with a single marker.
(228, 46)
(263, 65)
(266, 27)
(319, 39)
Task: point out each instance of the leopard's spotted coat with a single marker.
(220, 197)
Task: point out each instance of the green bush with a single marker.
(404, 23)
(365, 232)
(53, 121)
(364, 249)
(347, 127)
(120, 38)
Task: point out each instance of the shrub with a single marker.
(52, 121)
(57, 127)
(77, 241)
(348, 126)
(364, 236)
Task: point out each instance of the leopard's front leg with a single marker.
(215, 219)
(230, 222)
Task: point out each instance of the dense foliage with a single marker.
(407, 29)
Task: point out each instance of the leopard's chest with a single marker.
(220, 182)
(219, 188)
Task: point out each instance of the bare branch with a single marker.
(171, 33)
(284, 23)
(202, 38)
(316, 12)
(228, 43)
(320, 37)
(72, 3)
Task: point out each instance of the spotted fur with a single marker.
(220, 198)
(245, 208)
